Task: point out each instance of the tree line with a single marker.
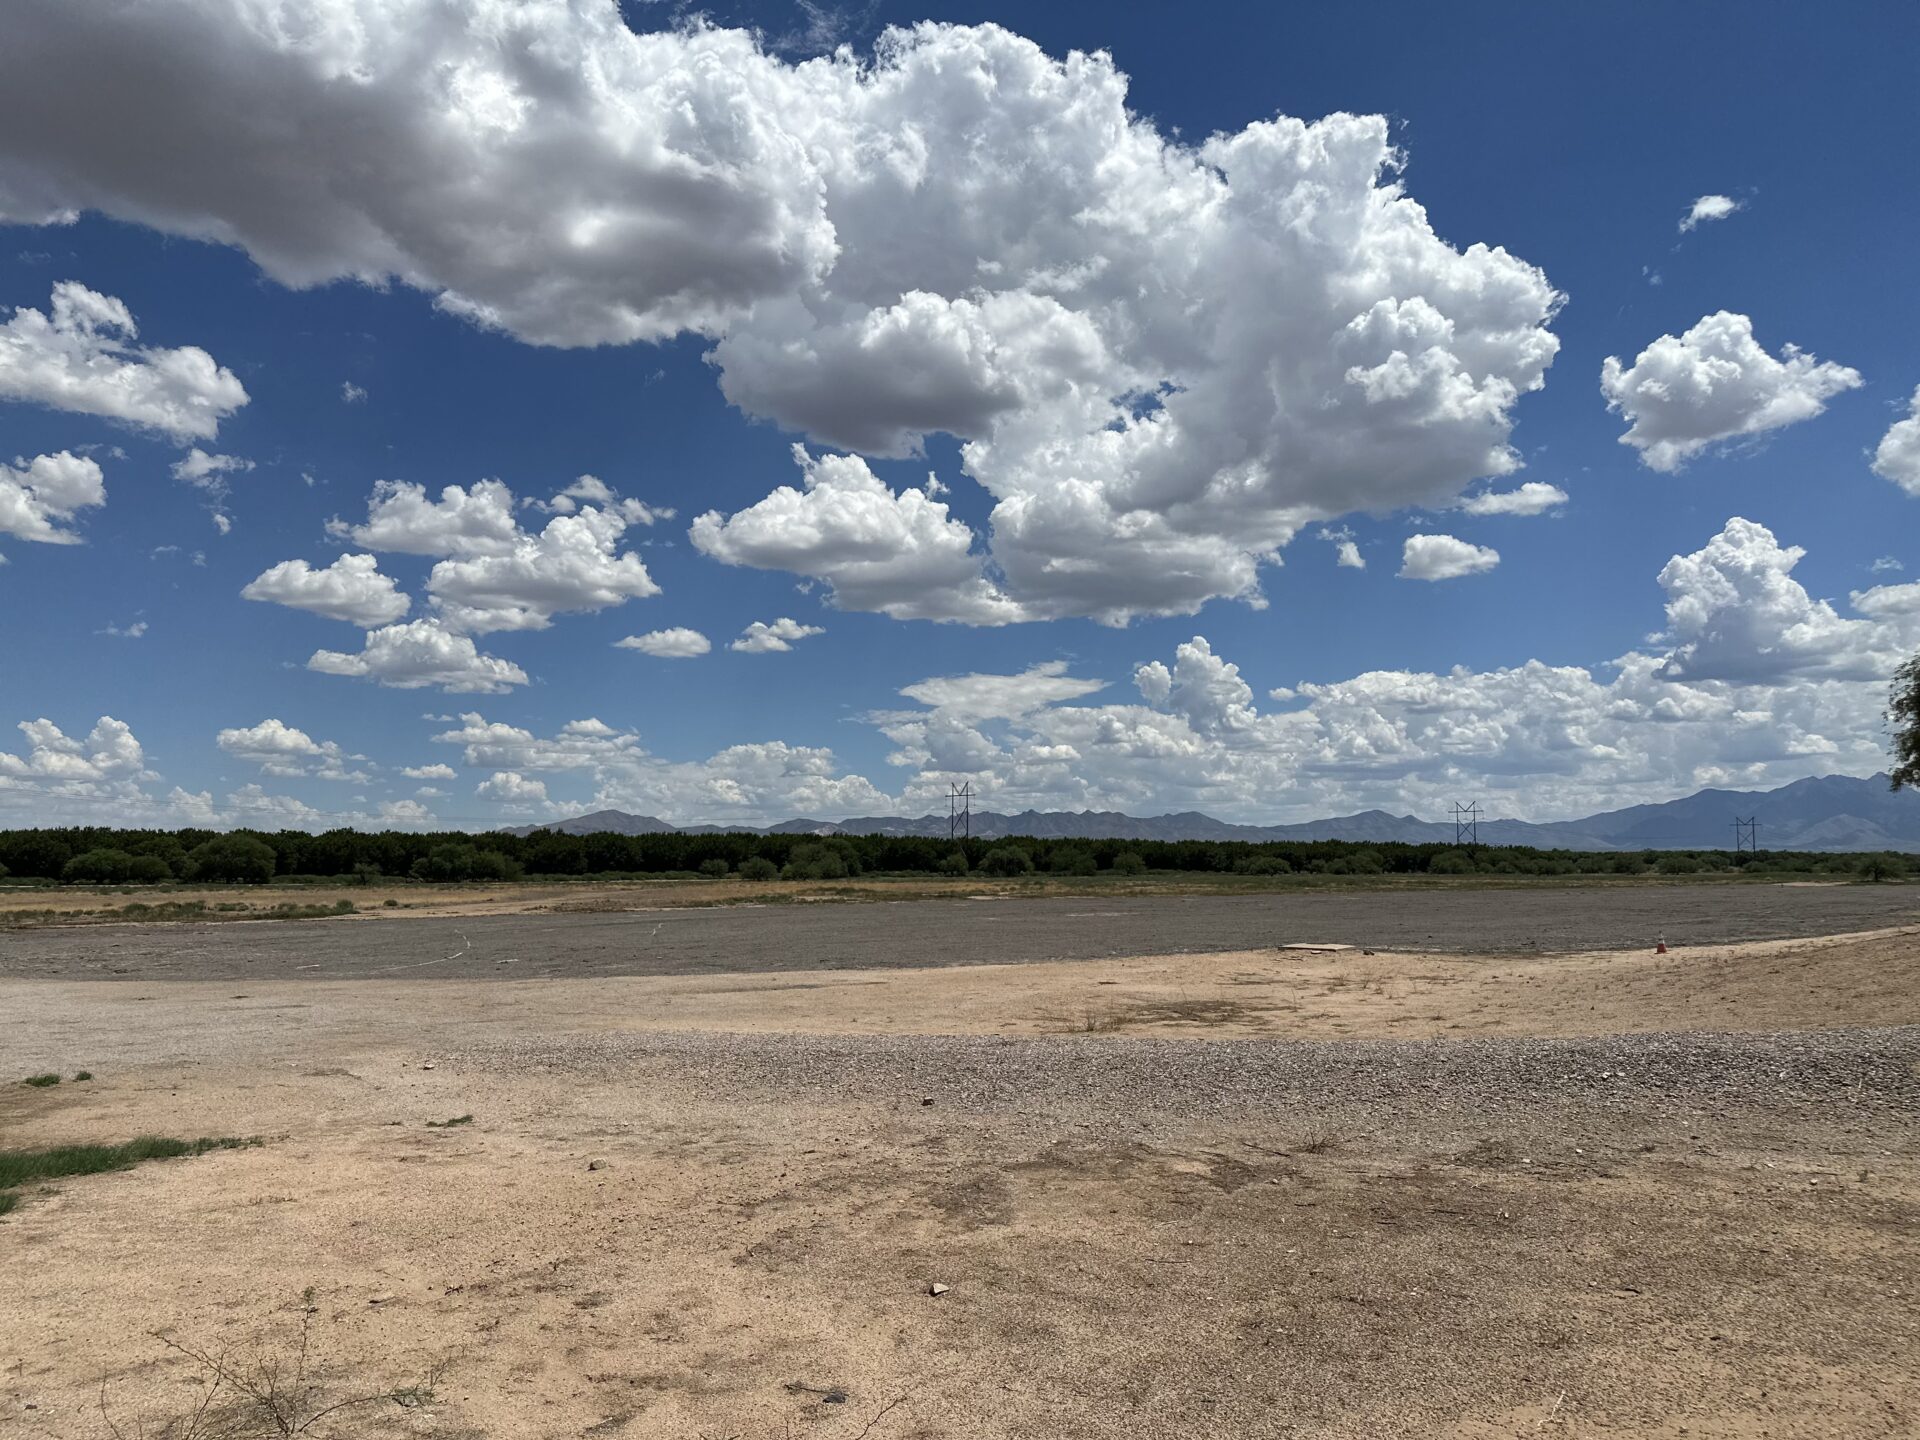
(102, 856)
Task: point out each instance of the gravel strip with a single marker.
(1861, 1071)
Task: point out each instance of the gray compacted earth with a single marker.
(742, 939)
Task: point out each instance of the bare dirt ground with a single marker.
(929, 930)
(1248, 1193)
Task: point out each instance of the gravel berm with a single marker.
(1859, 1072)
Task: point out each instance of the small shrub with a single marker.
(449, 1124)
(758, 867)
(1677, 865)
(1262, 865)
(83, 1075)
(954, 864)
(1452, 862)
(40, 1082)
(1128, 862)
(715, 869)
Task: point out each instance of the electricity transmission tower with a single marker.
(1466, 823)
(1746, 835)
(960, 811)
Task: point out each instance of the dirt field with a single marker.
(1248, 1193)
(662, 939)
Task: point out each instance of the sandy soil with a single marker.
(613, 1249)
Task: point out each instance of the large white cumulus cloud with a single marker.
(1163, 358)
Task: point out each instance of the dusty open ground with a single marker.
(1247, 1193)
(1002, 926)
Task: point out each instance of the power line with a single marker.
(1746, 835)
(960, 811)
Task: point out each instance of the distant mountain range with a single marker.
(1830, 812)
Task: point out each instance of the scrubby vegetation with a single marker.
(19, 1167)
(85, 856)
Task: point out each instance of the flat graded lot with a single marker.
(998, 928)
(1445, 1189)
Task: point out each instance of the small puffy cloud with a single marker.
(1714, 383)
(1346, 550)
(135, 631)
(900, 554)
(760, 638)
(1886, 564)
(282, 750)
(1533, 498)
(592, 490)
(402, 517)
(978, 697)
(1735, 613)
(430, 772)
(1442, 557)
(351, 394)
(1886, 602)
(573, 565)
(406, 815)
(420, 653)
(1898, 456)
(208, 472)
(109, 755)
(580, 745)
(350, 589)
(497, 576)
(38, 497)
(515, 789)
(679, 643)
(1709, 207)
(1201, 686)
(80, 357)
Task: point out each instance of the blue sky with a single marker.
(1153, 603)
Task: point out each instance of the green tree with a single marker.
(149, 870)
(98, 867)
(1071, 860)
(1006, 860)
(237, 859)
(1903, 721)
(1127, 862)
(954, 864)
(715, 869)
(758, 867)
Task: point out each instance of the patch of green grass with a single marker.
(17, 1167)
(83, 1075)
(40, 1082)
(449, 1124)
